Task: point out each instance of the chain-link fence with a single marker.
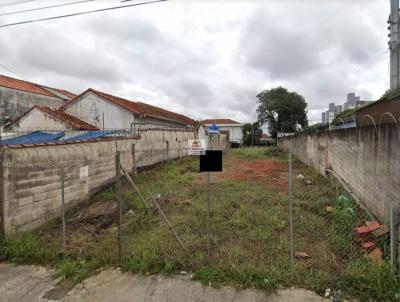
(343, 203)
(319, 212)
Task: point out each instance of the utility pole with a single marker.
(394, 44)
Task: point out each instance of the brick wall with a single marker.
(367, 159)
(30, 176)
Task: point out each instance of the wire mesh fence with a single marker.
(316, 212)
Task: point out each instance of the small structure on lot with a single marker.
(17, 96)
(231, 128)
(107, 111)
(266, 139)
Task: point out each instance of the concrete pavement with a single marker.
(32, 283)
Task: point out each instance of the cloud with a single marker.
(210, 60)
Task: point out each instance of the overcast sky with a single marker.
(202, 59)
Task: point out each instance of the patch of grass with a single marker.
(29, 248)
(249, 233)
(250, 153)
(369, 281)
(76, 270)
(277, 154)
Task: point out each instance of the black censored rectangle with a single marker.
(211, 161)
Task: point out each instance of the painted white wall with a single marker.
(235, 133)
(90, 108)
(38, 120)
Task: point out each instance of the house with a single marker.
(46, 118)
(231, 128)
(17, 96)
(106, 111)
(266, 139)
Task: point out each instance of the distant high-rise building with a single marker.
(352, 101)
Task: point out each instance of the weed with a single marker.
(250, 153)
(76, 270)
(28, 248)
(249, 233)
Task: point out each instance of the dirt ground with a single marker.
(268, 171)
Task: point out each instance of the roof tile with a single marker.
(30, 87)
(219, 121)
(137, 108)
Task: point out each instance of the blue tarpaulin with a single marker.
(36, 137)
(91, 135)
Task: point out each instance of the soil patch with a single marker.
(266, 171)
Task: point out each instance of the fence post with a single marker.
(167, 149)
(394, 240)
(291, 249)
(134, 171)
(179, 150)
(64, 239)
(208, 216)
(119, 206)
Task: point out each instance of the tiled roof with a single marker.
(157, 111)
(65, 92)
(67, 118)
(137, 108)
(264, 136)
(30, 87)
(74, 122)
(219, 121)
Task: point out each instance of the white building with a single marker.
(106, 111)
(230, 127)
(50, 119)
(17, 96)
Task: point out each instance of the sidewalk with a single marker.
(32, 283)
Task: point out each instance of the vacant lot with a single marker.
(249, 230)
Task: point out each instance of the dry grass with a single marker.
(249, 227)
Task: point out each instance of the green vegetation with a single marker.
(283, 110)
(342, 116)
(251, 134)
(250, 153)
(249, 227)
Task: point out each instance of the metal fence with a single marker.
(322, 206)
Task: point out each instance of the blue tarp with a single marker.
(36, 137)
(91, 135)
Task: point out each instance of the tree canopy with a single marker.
(252, 134)
(283, 110)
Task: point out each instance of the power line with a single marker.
(15, 3)
(81, 13)
(44, 7)
(9, 70)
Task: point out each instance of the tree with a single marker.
(251, 134)
(283, 110)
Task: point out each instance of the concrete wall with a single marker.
(30, 188)
(366, 159)
(218, 141)
(90, 108)
(15, 102)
